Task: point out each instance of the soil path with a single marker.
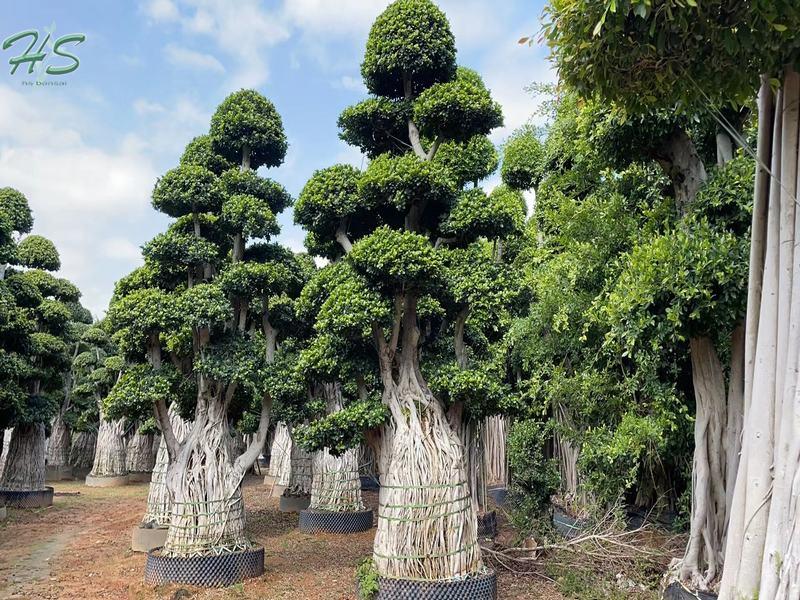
(80, 549)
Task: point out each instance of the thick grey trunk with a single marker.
(81, 455)
(763, 550)
(109, 454)
(280, 455)
(59, 444)
(300, 474)
(139, 456)
(159, 505)
(495, 434)
(684, 167)
(24, 468)
(204, 483)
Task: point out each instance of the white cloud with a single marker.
(145, 107)
(160, 10)
(353, 84)
(184, 57)
(80, 194)
(122, 249)
(340, 18)
(243, 30)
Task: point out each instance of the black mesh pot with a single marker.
(487, 524)
(315, 521)
(27, 498)
(498, 495)
(216, 570)
(675, 591)
(478, 587)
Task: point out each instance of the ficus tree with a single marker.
(397, 230)
(208, 310)
(37, 327)
(701, 57)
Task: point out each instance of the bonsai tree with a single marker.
(101, 367)
(702, 58)
(208, 310)
(397, 227)
(36, 329)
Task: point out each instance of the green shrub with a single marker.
(367, 576)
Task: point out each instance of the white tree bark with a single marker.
(159, 505)
(300, 472)
(495, 435)
(4, 450)
(24, 468)
(280, 455)
(335, 481)
(762, 553)
(139, 452)
(81, 454)
(109, 454)
(59, 444)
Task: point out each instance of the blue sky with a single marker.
(86, 154)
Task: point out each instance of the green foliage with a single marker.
(204, 305)
(523, 158)
(187, 189)
(250, 216)
(368, 579)
(498, 215)
(247, 121)
(14, 207)
(457, 110)
(37, 252)
(272, 194)
(411, 39)
(470, 161)
(342, 430)
(661, 54)
(200, 153)
(330, 196)
(376, 125)
(396, 259)
(532, 474)
(405, 180)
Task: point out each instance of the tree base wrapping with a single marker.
(294, 503)
(323, 521)
(111, 481)
(109, 454)
(81, 454)
(24, 468)
(335, 484)
(481, 586)
(58, 473)
(145, 539)
(212, 570)
(27, 498)
(58, 444)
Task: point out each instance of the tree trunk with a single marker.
(109, 454)
(300, 471)
(159, 506)
(139, 452)
(335, 482)
(59, 444)
(762, 554)
(280, 455)
(495, 434)
(81, 455)
(471, 435)
(7, 433)
(427, 524)
(24, 468)
(567, 454)
(205, 485)
(703, 555)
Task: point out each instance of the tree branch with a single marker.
(341, 237)
(250, 455)
(434, 147)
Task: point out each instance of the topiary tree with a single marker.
(207, 311)
(700, 58)
(398, 226)
(36, 328)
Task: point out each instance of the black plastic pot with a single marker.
(216, 570)
(325, 521)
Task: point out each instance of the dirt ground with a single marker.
(80, 549)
